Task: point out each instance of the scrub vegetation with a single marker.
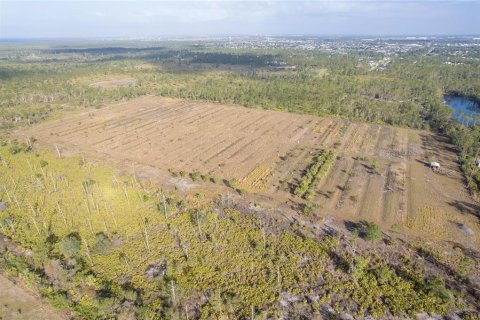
(106, 245)
(110, 244)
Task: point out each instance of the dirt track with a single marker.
(231, 142)
(18, 303)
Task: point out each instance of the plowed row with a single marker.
(232, 142)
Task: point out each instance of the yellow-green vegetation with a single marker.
(314, 174)
(373, 232)
(431, 221)
(257, 180)
(110, 246)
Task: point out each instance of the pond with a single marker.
(466, 110)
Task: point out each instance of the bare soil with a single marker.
(17, 302)
(152, 134)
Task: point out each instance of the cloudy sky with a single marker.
(87, 19)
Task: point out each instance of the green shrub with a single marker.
(383, 274)
(232, 183)
(465, 266)
(195, 175)
(436, 286)
(15, 148)
(70, 245)
(308, 209)
(102, 243)
(373, 232)
(376, 166)
(359, 267)
(89, 182)
(317, 170)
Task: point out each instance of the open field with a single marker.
(380, 173)
(114, 83)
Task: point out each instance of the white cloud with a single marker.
(119, 17)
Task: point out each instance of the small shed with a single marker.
(434, 165)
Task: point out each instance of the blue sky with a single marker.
(87, 19)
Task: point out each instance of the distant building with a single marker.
(477, 162)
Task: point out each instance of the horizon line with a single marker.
(443, 35)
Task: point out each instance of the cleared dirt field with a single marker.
(266, 151)
(18, 303)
